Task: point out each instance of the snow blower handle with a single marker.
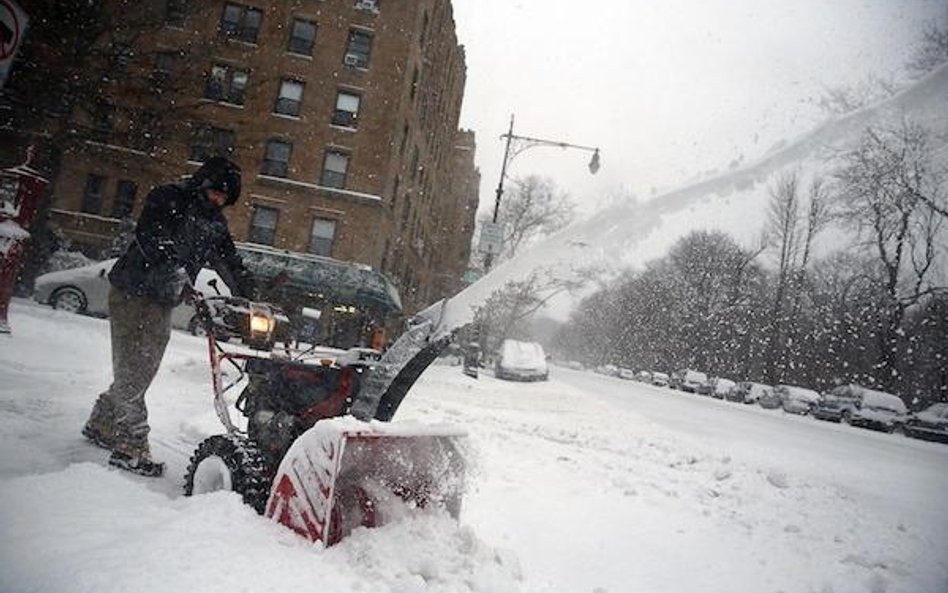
(196, 299)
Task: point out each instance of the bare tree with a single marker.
(840, 100)
(506, 312)
(792, 226)
(535, 208)
(932, 51)
(892, 195)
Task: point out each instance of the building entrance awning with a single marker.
(322, 278)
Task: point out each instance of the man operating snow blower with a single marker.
(181, 229)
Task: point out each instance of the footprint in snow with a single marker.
(778, 480)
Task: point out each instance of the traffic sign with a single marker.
(13, 20)
(492, 238)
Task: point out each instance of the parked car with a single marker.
(521, 361)
(720, 387)
(829, 408)
(929, 424)
(688, 380)
(869, 408)
(748, 392)
(86, 290)
(659, 378)
(643, 376)
(796, 400)
(769, 399)
(626, 373)
(609, 370)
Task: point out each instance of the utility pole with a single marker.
(522, 143)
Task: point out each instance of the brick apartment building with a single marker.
(343, 115)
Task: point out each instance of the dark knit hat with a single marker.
(221, 174)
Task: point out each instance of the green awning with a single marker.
(320, 277)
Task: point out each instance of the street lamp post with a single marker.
(522, 144)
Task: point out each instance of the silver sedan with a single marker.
(86, 290)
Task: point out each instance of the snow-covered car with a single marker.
(720, 387)
(626, 374)
(610, 370)
(521, 361)
(86, 290)
(929, 424)
(659, 378)
(748, 392)
(829, 408)
(769, 400)
(796, 400)
(688, 380)
(644, 376)
(869, 408)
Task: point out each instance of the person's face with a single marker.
(217, 197)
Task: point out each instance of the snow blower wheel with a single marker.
(229, 462)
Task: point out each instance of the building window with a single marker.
(241, 22)
(263, 225)
(92, 194)
(358, 49)
(347, 109)
(321, 237)
(161, 72)
(291, 95)
(276, 160)
(103, 121)
(368, 5)
(302, 38)
(174, 13)
(334, 169)
(226, 83)
(209, 141)
(124, 199)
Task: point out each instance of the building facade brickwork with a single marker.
(343, 115)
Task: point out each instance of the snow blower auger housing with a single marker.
(316, 455)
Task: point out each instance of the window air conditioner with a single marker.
(351, 60)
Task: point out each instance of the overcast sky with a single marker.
(666, 88)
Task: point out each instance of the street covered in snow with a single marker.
(583, 483)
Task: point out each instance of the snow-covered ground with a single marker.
(581, 484)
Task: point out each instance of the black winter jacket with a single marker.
(179, 228)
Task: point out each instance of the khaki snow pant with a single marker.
(140, 333)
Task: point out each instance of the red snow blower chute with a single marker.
(318, 454)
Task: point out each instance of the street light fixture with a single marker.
(523, 143)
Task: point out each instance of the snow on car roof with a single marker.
(801, 392)
(881, 399)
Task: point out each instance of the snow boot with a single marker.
(140, 464)
(98, 437)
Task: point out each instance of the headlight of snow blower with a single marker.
(261, 326)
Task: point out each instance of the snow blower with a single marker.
(318, 454)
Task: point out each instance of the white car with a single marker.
(86, 290)
(722, 387)
(796, 400)
(523, 361)
(659, 378)
(688, 380)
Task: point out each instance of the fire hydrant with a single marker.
(20, 191)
